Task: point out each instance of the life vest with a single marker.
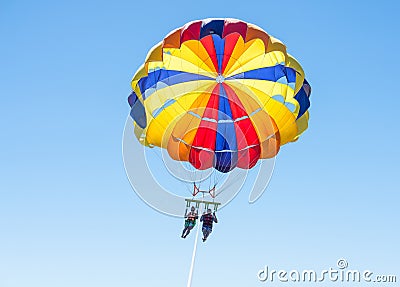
(191, 219)
(191, 216)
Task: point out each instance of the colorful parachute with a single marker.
(219, 93)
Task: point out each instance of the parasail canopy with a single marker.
(219, 93)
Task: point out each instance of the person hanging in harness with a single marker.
(208, 219)
(190, 222)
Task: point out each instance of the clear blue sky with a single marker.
(68, 215)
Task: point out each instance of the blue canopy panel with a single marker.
(272, 74)
(167, 77)
(219, 46)
(137, 112)
(303, 98)
(226, 155)
(212, 27)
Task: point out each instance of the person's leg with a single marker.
(190, 227)
(208, 232)
(187, 229)
(184, 231)
(204, 230)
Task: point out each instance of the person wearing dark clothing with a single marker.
(208, 219)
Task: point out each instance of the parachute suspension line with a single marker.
(186, 186)
(198, 177)
(240, 156)
(156, 152)
(192, 177)
(218, 176)
(209, 180)
(193, 173)
(213, 184)
(214, 177)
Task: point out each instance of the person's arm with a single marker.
(201, 218)
(215, 218)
